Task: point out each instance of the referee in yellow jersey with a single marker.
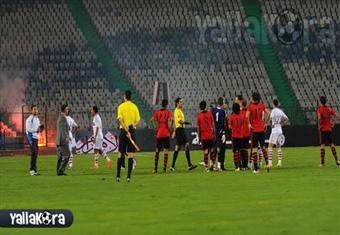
(181, 138)
(128, 117)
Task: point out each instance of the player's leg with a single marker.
(279, 155)
(213, 154)
(166, 146)
(130, 165)
(34, 156)
(264, 150)
(244, 153)
(165, 160)
(333, 148)
(236, 153)
(156, 158)
(187, 155)
(254, 144)
(322, 155)
(131, 152)
(177, 148)
(222, 150)
(206, 158)
(322, 149)
(174, 159)
(70, 161)
(272, 141)
(96, 159)
(205, 154)
(121, 153)
(106, 157)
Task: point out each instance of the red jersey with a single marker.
(162, 117)
(205, 124)
(256, 116)
(236, 122)
(326, 114)
(246, 130)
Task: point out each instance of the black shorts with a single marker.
(245, 142)
(326, 137)
(163, 143)
(181, 138)
(125, 145)
(257, 139)
(207, 144)
(237, 144)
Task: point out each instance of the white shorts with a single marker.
(99, 144)
(274, 137)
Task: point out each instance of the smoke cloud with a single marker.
(12, 91)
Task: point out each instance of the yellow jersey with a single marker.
(179, 116)
(129, 113)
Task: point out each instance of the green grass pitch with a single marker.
(299, 198)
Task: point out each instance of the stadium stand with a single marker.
(41, 39)
(160, 41)
(312, 64)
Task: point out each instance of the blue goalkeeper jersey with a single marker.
(219, 118)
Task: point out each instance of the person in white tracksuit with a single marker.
(277, 119)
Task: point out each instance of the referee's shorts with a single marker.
(125, 145)
(181, 138)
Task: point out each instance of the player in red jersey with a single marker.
(164, 119)
(326, 121)
(236, 122)
(255, 114)
(206, 134)
(246, 132)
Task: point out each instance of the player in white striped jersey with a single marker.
(277, 119)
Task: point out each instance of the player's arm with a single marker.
(319, 119)
(267, 112)
(171, 124)
(248, 119)
(153, 122)
(285, 120)
(198, 130)
(334, 118)
(74, 129)
(137, 122)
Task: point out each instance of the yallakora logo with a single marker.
(45, 218)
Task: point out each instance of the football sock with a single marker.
(265, 155)
(130, 166)
(206, 158)
(166, 156)
(334, 153)
(106, 157)
(237, 159)
(123, 160)
(187, 154)
(119, 165)
(279, 154)
(322, 156)
(96, 157)
(213, 157)
(221, 156)
(156, 159)
(244, 157)
(70, 161)
(174, 159)
(270, 154)
(255, 161)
